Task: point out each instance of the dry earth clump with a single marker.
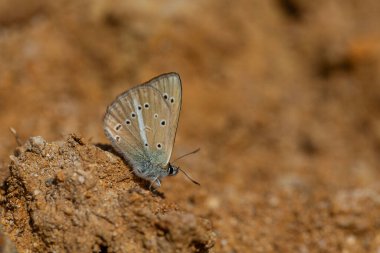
(72, 196)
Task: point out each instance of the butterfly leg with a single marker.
(157, 181)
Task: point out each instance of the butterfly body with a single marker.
(151, 170)
(141, 124)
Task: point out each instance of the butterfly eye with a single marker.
(172, 171)
(118, 126)
(163, 122)
(166, 96)
(159, 146)
(133, 115)
(146, 105)
(172, 100)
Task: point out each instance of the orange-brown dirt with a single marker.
(72, 196)
(282, 97)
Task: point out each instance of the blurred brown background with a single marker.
(282, 97)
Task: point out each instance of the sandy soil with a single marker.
(74, 197)
(282, 97)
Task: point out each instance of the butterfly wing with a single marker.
(137, 124)
(171, 89)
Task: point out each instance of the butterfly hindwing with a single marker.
(137, 123)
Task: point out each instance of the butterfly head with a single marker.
(172, 170)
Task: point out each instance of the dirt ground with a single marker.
(282, 97)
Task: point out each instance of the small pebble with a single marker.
(81, 179)
(37, 144)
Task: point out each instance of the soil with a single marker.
(282, 97)
(72, 196)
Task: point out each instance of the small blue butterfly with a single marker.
(141, 124)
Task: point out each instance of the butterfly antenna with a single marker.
(192, 180)
(182, 156)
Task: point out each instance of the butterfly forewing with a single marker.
(137, 123)
(171, 89)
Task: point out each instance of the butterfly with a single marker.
(141, 124)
